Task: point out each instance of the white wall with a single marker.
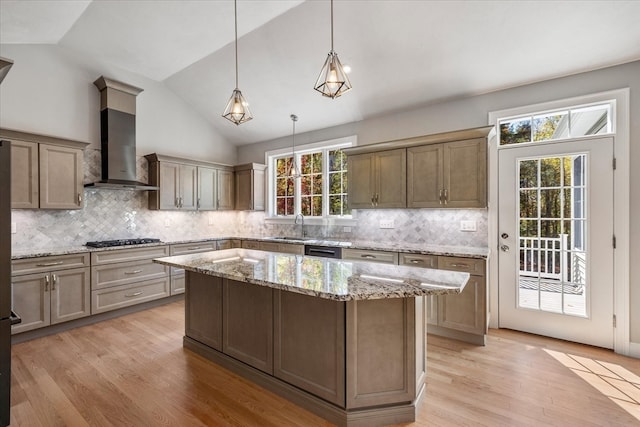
(473, 111)
(50, 91)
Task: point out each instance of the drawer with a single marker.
(104, 276)
(250, 244)
(269, 246)
(192, 248)
(229, 244)
(469, 265)
(130, 254)
(49, 263)
(290, 248)
(418, 260)
(371, 256)
(123, 296)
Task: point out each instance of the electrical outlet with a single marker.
(346, 229)
(387, 223)
(468, 226)
(13, 228)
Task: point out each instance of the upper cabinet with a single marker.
(189, 184)
(250, 180)
(447, 170)
(378, 180)
(46, 172)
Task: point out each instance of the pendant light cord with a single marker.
(332, 25)
(235, 13)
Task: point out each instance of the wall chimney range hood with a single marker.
(118, 136)
(5, 66)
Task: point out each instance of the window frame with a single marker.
(323, 146)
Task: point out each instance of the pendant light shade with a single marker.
(294, 170)
(332, 81)
(237, 109)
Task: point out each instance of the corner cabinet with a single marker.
(447, 170)
(378, 180)
(47, 172)
(189, 184)
(250, 180)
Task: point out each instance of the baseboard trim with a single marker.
(457, 335)
(634, 350)
(90, 320)
(368, 417)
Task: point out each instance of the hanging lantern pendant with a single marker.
(332, 81)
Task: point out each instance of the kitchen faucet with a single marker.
(295, 222)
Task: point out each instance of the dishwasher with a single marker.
(323, 251)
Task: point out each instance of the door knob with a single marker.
(504, 248)
(504, 235)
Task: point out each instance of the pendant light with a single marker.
(237, 109)
(332, 81)
(294, 171)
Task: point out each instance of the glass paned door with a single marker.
(556, 227)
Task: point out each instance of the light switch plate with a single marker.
(468, 226)
(387, 223)
(13, 228)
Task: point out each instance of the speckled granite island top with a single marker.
(321, 277)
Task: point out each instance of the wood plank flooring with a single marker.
(133, 371)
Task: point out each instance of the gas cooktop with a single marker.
(121, 242)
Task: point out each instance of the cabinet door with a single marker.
(61, 177)
(207, 189)
(361, 183)
(465, 173)
(70, 295)
(248, 324)
(244, 190)
(24, 175)
(465, 311)
(188, 187)
(391, 179)
(424, 176)
(203, 308)
(225, 190)
(169, 185)
(30, 301)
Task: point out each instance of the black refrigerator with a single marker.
(7, 317)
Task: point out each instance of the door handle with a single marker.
(504, 248)
(504, 235)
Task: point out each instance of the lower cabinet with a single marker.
(203, 310)
(248, 324)
(48, 298)
(125, 277)
(177, 274)
(287, 248)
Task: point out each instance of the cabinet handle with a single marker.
(377, 198)
(368, 256)
(46, 283)
(53, 282)
(133, 272)
(79, 198)
(198, 203)
(460, 265)
(416, 261)
(194, 248)
(177, 202)
(373, 200)
(49, 264)
(440, 196)
(446, 196)
(135, 294)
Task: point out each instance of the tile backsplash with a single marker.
(118, 214)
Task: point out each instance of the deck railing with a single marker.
(542, 257)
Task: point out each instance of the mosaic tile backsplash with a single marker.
(119, 214)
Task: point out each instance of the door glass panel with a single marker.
(552, 234)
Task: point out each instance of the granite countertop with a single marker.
(416, 248)
(321, 277)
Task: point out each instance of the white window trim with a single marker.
(620, 131)
(269, 157)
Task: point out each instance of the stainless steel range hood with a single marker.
(5, 66)
(118, 136)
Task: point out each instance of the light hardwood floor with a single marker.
(133, 371)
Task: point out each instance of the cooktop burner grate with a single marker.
(121, 242)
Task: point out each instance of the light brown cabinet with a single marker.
(45, 291)
(125, 277)
(378, 180)
(177, 274)
(189, 184)
(449, 175)
(383, 257)
(287, 248)
(46, 173)
(250, 187)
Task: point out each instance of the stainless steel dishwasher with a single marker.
(323, 251)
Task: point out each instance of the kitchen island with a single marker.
(343, 339)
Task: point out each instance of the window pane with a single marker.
(316, 207)
(317, 184)
(528, 173)
(591, 120)
(515, 131)
(550, 203)
(528, 203)
(551, 126)
(336, 160)
(335, 183)
(550, 172)
(290, 205)
(305, 185)
(305, 205)
(317, 162)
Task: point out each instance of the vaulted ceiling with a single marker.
(402, 53)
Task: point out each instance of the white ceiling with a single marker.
(403, 53)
